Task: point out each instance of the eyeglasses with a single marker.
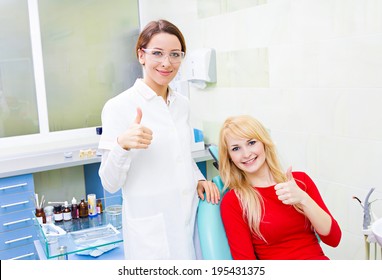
(159, 56)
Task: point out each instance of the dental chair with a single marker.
(213, 240)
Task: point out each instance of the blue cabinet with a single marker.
(16, 218)
(17, 230)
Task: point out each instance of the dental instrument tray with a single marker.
(107, 232)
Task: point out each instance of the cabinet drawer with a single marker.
(16, 202)
(27, 252)
(16, 220)
(16, 184)
(18, 237)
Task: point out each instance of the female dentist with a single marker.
(146, 145)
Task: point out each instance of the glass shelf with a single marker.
(78, 235)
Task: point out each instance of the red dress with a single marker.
(288, 233)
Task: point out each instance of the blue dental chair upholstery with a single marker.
(213, 240)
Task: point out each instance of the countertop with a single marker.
(50, 160)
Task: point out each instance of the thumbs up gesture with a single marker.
(136, 136)
(289, 192)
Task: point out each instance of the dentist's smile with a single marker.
(164, 73)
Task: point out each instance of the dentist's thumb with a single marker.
(138, 118)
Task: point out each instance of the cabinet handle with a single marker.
(15, 204)
(23, 256)
(18, 239)
(13, 186)
(16, 222)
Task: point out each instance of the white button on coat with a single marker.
(159, 183)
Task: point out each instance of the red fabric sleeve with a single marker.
(237, 230)
(334, 236)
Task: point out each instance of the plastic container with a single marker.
(114, 215)
(92, 211)
(49, 214)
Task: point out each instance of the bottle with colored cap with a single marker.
(75, 210)
(66, 212)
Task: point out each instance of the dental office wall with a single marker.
(310, 70)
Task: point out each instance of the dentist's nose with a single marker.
(166, 61)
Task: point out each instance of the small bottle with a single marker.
(83, 211)
(99, 206)
(67, 214)
(49, 214)
(62, 250)
(57, 213)
(40, 215)
(75, 210)
(92, 205)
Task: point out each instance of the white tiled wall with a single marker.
(311, 71)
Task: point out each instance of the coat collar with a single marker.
(149, 94)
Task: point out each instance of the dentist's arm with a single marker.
(116, 162)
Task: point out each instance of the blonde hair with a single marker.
(247, 127)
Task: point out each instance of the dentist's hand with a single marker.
(210, 189)
(289, 192)
(136, 136)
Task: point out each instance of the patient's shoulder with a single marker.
(230, 199)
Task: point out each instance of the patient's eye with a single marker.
(251, 142)
(234, 149)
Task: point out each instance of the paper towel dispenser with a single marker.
(201, 67)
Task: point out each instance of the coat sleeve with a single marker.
(237, 230)
(198, 174)
(114, 168)
(116, 161)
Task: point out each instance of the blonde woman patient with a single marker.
(269, 213)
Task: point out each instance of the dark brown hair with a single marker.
(156, 27)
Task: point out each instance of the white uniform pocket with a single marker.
(146, 238)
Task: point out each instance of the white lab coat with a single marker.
(159, 183)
